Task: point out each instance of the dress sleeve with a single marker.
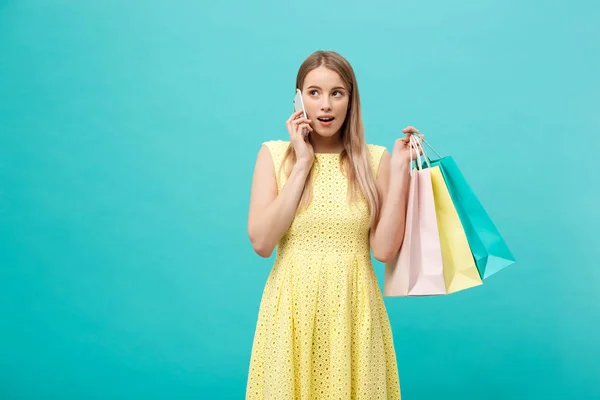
(376, 153)
(277, 149)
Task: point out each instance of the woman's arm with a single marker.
(392, 183)
(271, 214)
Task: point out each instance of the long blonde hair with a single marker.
(355, 156)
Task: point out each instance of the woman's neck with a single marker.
(322, 144)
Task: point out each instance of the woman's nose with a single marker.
(326, 105)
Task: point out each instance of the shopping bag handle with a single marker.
(428, 145)
(415, 141)
(413, 148)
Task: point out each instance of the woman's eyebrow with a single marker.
(334, 88)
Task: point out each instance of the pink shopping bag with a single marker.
(418, 268)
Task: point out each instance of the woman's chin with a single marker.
(326, 132)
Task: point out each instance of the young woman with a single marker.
(326, 199)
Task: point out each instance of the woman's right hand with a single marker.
(296, 126)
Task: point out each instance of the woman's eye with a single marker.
(312, 92)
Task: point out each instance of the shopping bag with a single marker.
(460, 269)
(489, 249)
(418, 268)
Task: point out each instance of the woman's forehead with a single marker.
(323, 78)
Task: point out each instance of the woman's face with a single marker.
(325, 97)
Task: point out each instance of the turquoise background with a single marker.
(128, 134)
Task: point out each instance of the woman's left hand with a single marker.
(401, 152)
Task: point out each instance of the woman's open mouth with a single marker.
(325, 121)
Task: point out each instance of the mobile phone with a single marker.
(299, 105)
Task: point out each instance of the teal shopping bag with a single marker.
(489, 249)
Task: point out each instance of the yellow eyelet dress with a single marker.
(323, 330)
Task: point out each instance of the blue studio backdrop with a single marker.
(128, 135)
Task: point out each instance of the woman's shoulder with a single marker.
(277, 149)
(276, 142)
(376, 152)
(377, 147)
(277, 145)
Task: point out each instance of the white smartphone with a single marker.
(299, 105)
